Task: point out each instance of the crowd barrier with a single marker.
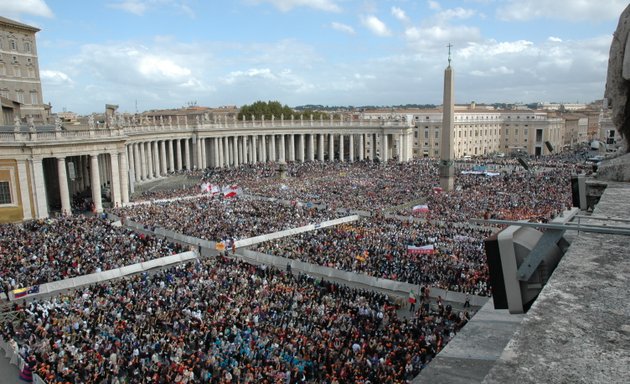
(294, 231)
(79, 281)
(398, 287)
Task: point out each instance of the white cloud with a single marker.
(434, 5)
(342, 28)
(137, 7)
(16, 8)
(456, 13)
(399, 14)
(55, 78)
(140, 7)
(494, 48)
(572, 10)
(502, 70)
(287, 5)
(159, 67)
(554, 39)
(439, 34)
(375, 25)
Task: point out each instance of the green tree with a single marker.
(267, 109)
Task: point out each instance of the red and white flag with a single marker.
(231, 191)
(421, 208)
(423, 249)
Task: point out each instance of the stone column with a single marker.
(39, 187)
(96, 188)
(163, 158)
(400, 148)
(263, 148)
(320, 147)
(311, 147)
(351, 148)
(246, 159)
(341, 155)
(137, 161)
(132, 165)
(171, 156)
(204, 157)
(235, 150)
(384, 148)
(156, 159)
(331, 147)
(255, 149)
(187, 153)
(272, 148)
(282, 146)
(178, 149)
(124, 177)
(215, 144)
(63, 186)
(24, 195)
(301, 148)
(291, 147)
(150, 160)
(447, 147)
(115, 187)
(226, 152)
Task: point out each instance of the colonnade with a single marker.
(152, 159)
(117, 169)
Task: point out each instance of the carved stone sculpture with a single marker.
(618, 79)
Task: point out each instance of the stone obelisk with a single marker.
(447, 152)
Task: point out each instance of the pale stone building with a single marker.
(19, 72)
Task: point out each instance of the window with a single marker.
(426, 133)
(3, 69)
(27, 46)
(5, 193)
(13, 44)
(34, 98)
(16, 71)
(4, 93)
(437, 134)
(19, 96)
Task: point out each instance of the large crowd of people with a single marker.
(455, 258)
(41, 251)
(217, 320)
(215, 218)
(222, 321)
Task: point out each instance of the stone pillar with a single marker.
(137, 159)
(399, 149)
(63, 186)
(301, 148)
(171, 156)
(384, 148)
(291, 147)
(163, 158)
(150, 160)
(156, 159)
(124, 177)
(351, 148)
(115, 186)
(132, 165)
(282, 148)
(215, 144)
(320, 147)
(255, 149)
(96, 188)
(226, 152)
(263, 148)
(311, 147)
(39, 187)
(24, 195)
(204, 154)
(272, 148)
(235, 150)
(341, 155)
(178, 149)
(331, 147)
(187, 154)
(246, 159)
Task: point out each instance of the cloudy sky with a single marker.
(167, 53)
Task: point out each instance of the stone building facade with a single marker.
(19, 73)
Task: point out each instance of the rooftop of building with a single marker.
(17, 24)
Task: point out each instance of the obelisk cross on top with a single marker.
(449, 53)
